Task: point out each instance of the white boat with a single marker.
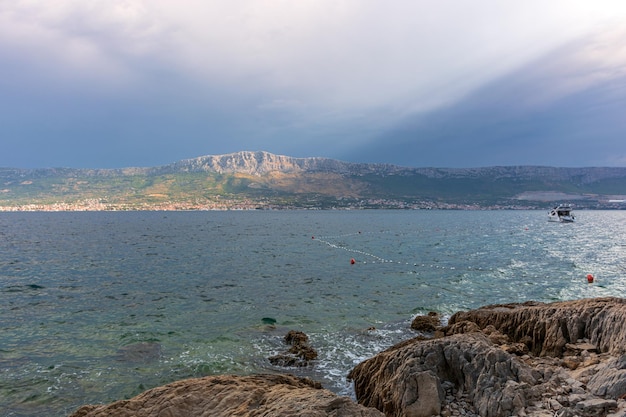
(561, 213)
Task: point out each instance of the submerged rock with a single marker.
(141, 352)
(227, 396)
(300, 353)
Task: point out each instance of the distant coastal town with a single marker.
(250, 204)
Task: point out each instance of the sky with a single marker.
(421, 83)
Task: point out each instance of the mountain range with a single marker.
(245, 180)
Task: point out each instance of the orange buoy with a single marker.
(589, 278)
(352, 261)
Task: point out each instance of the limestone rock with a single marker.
(548, 328)
(596, 406)
(495, 380)
(532, 359)
(610, 379)
(230, 396)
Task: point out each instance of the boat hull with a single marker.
(561, 219)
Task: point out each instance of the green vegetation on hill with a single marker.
(264, 180)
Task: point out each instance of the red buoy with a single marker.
(352, 261)
(589, 278)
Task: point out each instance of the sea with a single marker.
(99, 306)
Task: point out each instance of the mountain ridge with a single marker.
(262, 179)
(262, 162)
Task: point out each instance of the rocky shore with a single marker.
(532, 359)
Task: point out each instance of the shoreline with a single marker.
(565, 358)
(179, 207)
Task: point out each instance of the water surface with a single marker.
(96, 307)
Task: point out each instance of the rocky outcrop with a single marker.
(227, 396)
(560, 359)
(393, 381)
(547, 328)
(261, 162)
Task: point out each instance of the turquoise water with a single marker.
(96, 307)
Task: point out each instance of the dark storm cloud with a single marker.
(135, 83)
(564, 109)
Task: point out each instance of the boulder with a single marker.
(609, 380)
(228, 396)
(428, 323)
(496, 381)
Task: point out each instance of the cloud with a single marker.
(564, 108)
(46, 41)
(344, 54)
(288, 76)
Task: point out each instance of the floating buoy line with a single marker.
(325, 240)
(329, 241)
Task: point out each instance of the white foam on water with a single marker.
(338, 353)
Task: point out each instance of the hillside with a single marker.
(264, 180)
